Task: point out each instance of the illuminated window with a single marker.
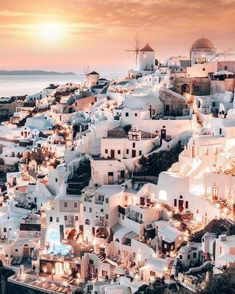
(163, 195)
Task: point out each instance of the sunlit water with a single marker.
(17, 85)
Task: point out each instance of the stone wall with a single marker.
(193, 86)
(174, 104)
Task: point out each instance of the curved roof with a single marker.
(203, 43)
(147, 48)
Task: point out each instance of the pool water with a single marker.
(55, 245)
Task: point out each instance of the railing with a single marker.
(135, 219)
(69, 224)
(99, 201)
(101, 223)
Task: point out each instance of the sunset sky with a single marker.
(67, 35)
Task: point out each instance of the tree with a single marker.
(224, 283)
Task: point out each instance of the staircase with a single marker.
(101, 257)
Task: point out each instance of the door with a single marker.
(110, 178)
(133, 153)
(181, 205)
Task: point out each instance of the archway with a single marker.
(185, 89)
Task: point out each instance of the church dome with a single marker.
(203, 44)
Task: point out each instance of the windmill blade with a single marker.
(136, 49)
(86, 70)
(137, 42)
(136, 58)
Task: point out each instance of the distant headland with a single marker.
(33, 72)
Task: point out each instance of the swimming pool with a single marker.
(55, 245)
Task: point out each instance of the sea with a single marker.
(18, 85)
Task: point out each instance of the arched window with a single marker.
(87, 222)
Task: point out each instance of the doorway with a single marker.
(133, 153)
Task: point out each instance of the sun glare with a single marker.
(51, 32)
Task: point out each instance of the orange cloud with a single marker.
(98, 31)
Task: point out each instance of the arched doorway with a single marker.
(185, 89)
(26, 252)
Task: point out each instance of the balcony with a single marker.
(99, 201)
(69, 224)
(135, 219)
(101, 223)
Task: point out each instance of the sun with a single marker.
(51, 32)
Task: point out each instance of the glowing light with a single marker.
(163, 195)
(51, 32)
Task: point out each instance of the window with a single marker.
(84, 208)
(163, 195)
(76, 218)
(51, 219)
(186, 204)
(203, 69)
(119, 151)
(133, 145)
(65, 217)
(91, 261)
(107, 200)
(175, 202)
(194, 254)
(136, 114)
(101, 210)
(90, 209)
(107, 216)
(75, 204)
(106, 151)
(57, 219)
(127, 114)
(56, 180)
(140, 152)
(188, 256)
(127, 151)
(5, 230)
(65, 204)
(16, 250)
(181, 257)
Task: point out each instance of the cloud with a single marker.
(12, 13)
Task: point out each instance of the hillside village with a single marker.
(118, 186)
